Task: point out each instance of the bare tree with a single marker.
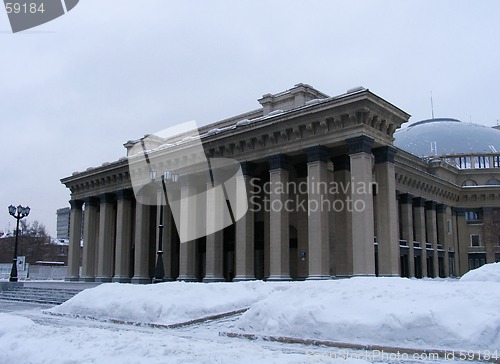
(34, 243)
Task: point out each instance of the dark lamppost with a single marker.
(18, 213)
(167, 177)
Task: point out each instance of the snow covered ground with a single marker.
(420, 314)
(22, 342)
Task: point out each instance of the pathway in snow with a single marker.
(199, 342)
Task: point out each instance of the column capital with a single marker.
(247, 168)
(441, 208)
(91, 201)
(384, 154)
(430, 205)
(360, 144)
(458, 211)
(406, 198)
(317, 153)
(124, 195)
(279, 161)
(341, 162)
(76, 204)
(107, 197)
(418, 202)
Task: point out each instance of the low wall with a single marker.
(42, 272)
(5, 269)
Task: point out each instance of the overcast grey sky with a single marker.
(72, 91)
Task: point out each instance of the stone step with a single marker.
(35, 296)
(20, 299)
(47, 290)
(38, 295)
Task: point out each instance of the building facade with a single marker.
(63, 223)
(368, 208)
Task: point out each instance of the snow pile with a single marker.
(431, 314)
(165, 303)
(10, 323)
(486, 273)
(386, 311)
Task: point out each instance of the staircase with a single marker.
(51, 296)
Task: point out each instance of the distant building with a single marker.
(63, 224)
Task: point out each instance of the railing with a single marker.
(473, 160)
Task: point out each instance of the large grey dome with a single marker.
(447, 136)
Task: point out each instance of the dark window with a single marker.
(475, 240)
(471, 216)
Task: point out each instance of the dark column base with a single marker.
(213, 279)
(140, 280)
(103, 279)
(318, 278)
(187, 279)
(244, 278)
(278, 278)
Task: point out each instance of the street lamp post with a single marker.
(167, 177)
(18, 213)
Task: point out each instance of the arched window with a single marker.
(469, 182)
(493, 181)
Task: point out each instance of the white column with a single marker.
(142, 244)
(187, 250)
(406, 200)
(362, 206)
(420, 233)
(90, 237)
(430, 223)
(318, 202)
(387, 212)
(106, 239)
(168, 243)
(343, 218)
(214, 240)
(443, 237)
(75, 235)
(245, 248)
(463, 241)
(123, 243)
(279, 219)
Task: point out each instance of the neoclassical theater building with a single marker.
(421, 201)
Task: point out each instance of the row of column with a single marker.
(426, 222)
(108, 238)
